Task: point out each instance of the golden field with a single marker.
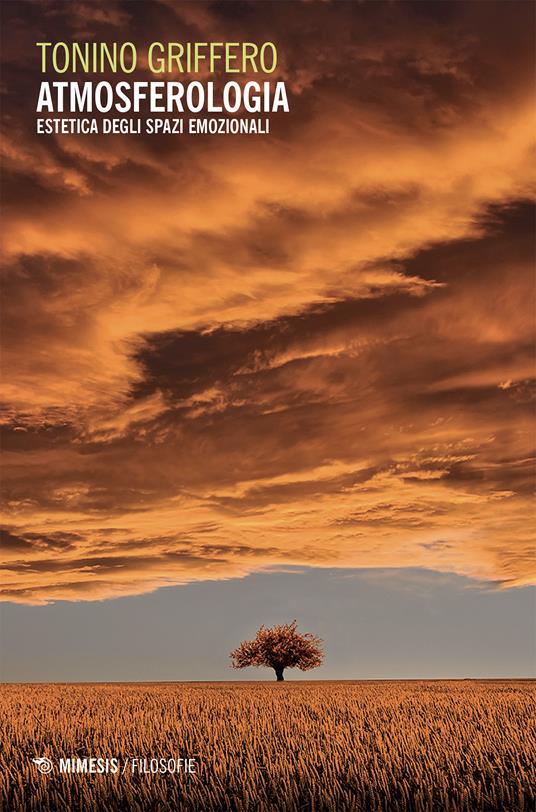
(430, 745)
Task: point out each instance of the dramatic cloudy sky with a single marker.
(229, 355)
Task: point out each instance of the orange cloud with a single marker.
(224, 355)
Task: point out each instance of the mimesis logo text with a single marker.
(78, 765)
(88, 765)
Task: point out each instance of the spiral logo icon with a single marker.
(44, 765)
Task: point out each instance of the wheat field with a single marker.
(437, 745)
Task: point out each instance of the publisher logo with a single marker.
(133, 764)
(44, 765)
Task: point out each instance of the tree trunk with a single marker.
(279, 673)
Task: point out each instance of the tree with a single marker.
(279, 647)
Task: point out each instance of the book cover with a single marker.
(267, 321)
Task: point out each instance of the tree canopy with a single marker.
(279, 647)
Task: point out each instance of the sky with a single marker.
(234, 360)
(375, 624)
